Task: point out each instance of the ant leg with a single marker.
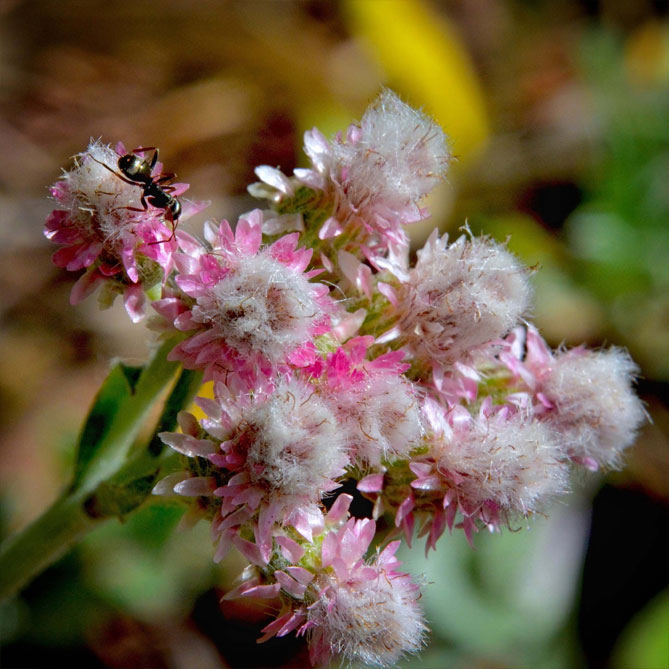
(137, 208)
(165, 177)
(115, 173)
(161, 241)
(143, 149)
(173, 224)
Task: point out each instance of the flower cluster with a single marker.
(334, 358)
(104, 228)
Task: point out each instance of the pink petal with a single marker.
(404, 509)
(134, 302)
(301, 574)
(188, 445)
(252, 553)
(248, 233)
(275, 178)
(166, 485)
(196, 486)
(339, 510)
(85, 285)
(331, 228)
(371, 483)
(291, 549)
(307, 521)
(289, 584)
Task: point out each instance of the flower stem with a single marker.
(112, 482)
(27, 553)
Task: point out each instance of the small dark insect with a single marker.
(137, 171)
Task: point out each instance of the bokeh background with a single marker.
(557, 114)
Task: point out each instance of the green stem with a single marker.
(27, 553)
(114, 482)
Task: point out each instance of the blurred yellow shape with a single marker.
(206, 390)
(425, 61)
(647, 53)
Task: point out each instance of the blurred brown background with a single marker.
(557, 114)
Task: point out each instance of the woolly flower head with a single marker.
(460, 296)
(294, 445)
(595, 407)
(102, 226)
(504, 461)
(371, 181)
(275, 454)
(377, 407)
(248, 307)
(395, 157)
(366, 611)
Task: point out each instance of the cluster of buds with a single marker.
(333, 358)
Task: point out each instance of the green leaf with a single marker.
(117, 387)
(129, 487)
(111, 478)
(180, 398)
(118, 414)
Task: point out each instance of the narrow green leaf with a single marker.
(129, 487)
(116, 388)
(180, 398)
(110, 479)
(118, 414)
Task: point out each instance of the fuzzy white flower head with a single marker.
(381, 418)
(274, 454)
(250, 308)
(515, 463)
(375, 622)
(260, 306)
(366, 610)
(595, 407)
(98, 197)
(461, 296)
(397, 157)
(295, 446)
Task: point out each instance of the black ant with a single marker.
(137, 171)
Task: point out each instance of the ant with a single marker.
(136, 171)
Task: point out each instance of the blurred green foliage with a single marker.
(620, 234)
(645, 643)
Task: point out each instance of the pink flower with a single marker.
(247, 307)
(460, 296)
(585, 396)
(594, 405)
(366, 611)
(488, 468)
(103, 228)
(376, 406)
(374, 179)
(274, 455)
(361, 610)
